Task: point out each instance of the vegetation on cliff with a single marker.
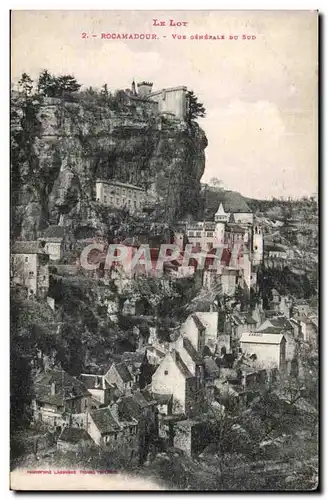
(64, 139)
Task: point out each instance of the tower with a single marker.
(221, 217)
(133, 88)
(144, 88)
(219, 233)
(257, 245)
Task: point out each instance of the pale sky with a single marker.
(260, 95)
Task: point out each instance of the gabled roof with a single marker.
(95, 381)
(192, 351)
(133, 406)
(27, 247)
(162, 399)
(66, 386)
(181, 365)
(261, 338)
(105, 421)
(43, 395)
(123, 372)
(198, 322)
(74, 435)
(280, 322)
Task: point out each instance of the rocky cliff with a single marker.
(60, 147)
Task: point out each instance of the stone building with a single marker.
(269, 348)
(56, 242)
(29, 267)
(120, 195)
(58, 397)
(171, 101)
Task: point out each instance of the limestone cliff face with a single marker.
(60, 148)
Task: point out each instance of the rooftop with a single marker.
(105, 421)
(192, 351)
(123, 372)
(27, 247)
(66, 387)
(95, 381)
(180, 364)
(74, 435)
(261, 338)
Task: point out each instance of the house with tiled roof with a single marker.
(106, 428)
(99, 388)
(119, 375)
(173, 377)
(58, 396)
(29, 267)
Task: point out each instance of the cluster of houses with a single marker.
(220, 356)
(214, 360)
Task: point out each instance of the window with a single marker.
(31, 274)
(117, 201)
(131, 430)
(191, 233)
(26, 259)
(209, 234)
(105, 199)
(198, 234)
(166, 372)
(115, 436)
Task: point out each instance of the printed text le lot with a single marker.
(171, 22)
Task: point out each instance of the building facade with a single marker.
(120, 195)
(29, 267)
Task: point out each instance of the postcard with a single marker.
(164, 250)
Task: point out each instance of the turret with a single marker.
(144, 88)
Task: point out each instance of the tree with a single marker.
(67, 84)
(25, 84)
(215, 182)
(195, 108)
(46, 84)
(52, 86)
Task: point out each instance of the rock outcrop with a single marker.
(59, 148)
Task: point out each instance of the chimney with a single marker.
(53, 388)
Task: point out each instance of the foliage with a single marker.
(52, 86)
(25, 84)
(195, 108)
